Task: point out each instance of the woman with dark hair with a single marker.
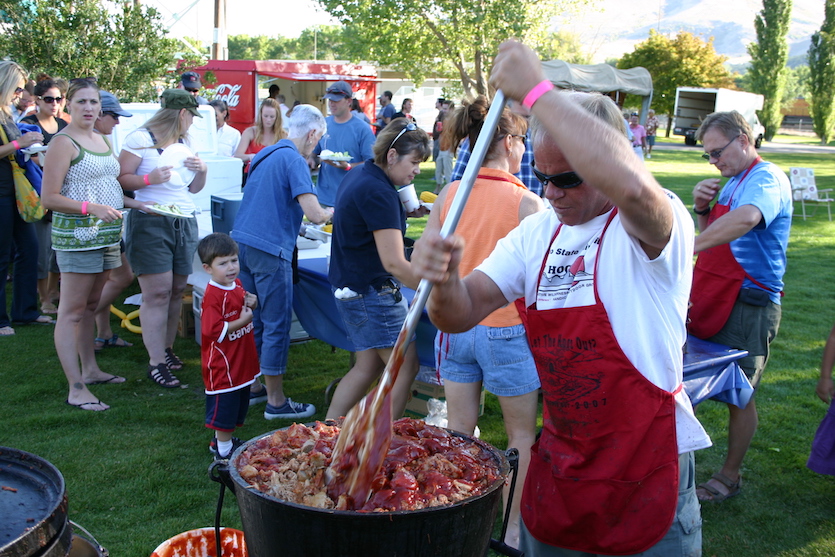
(494, 355)
(80, 185)
(160, 248)
(50, 105)
(368, 263)
(227, 136)
(14, 231)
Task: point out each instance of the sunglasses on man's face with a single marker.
(715, 154)
(193, 91)
(112, 115)
(563, 180)
(51, 100)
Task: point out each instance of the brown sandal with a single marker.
(161, 375)
(717, 496)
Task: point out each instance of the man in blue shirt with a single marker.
(738, 276)
(345, 133)
(386, 113)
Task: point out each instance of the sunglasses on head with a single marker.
(51, 100)
(563, 180)
(410, 127)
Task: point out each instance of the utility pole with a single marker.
(220, 47)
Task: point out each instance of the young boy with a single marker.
(229, 357)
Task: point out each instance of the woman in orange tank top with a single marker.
(495, 354)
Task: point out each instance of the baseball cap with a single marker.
(191, 80)
(178, 99)
(109, 103)
(338, 91)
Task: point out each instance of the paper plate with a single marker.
(169, 213)
(175, 156)
(335, 158)
(34, 149)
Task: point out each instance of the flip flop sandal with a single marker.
(172, 361)
(112, 379)
(717, 496)
(162, 376)
(84, 405)
(113, 342)
(49, 308)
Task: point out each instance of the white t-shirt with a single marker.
(646, 300)
(227, 140)
(139, 143)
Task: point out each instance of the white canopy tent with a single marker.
(602, 78)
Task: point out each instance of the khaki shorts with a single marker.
(90, 261)
(751, 328)
(159, 244)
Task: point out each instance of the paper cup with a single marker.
(409, 198)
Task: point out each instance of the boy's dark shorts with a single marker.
(226, 411)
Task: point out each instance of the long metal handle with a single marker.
(482, 144)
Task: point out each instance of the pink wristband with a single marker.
(533, 95)
(16, 145)
(84, 207)
(146, 180)
(348, 167)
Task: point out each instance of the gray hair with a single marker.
(597, 104)
(305, 118)
(730, 124)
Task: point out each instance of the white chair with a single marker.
(805, 190)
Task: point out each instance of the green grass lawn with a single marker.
(136, 474)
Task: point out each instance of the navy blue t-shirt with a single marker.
(366, 201)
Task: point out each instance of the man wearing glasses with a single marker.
(602, 283)
(738, 279)
(345, 134)
(190, 81)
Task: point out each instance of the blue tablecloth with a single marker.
(710, 370)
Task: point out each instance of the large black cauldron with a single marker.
(276, 527)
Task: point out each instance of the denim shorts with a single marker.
(372, 319)
(158, 244)
(499, 357)
(89, 261)
(683, 539)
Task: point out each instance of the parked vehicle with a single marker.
(693, 104)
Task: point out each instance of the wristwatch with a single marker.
(703, 212)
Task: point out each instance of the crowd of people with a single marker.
(579, 288)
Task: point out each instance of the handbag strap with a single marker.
(5, 139)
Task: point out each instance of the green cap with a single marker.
(178, 99)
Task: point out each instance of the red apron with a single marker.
(604, 474)
(717, 279)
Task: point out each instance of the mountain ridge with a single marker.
(611, 28)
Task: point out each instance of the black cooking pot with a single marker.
(33, 506)
(273, 526)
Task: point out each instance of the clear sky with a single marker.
(195, 18)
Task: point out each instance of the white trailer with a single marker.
(693, 104)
